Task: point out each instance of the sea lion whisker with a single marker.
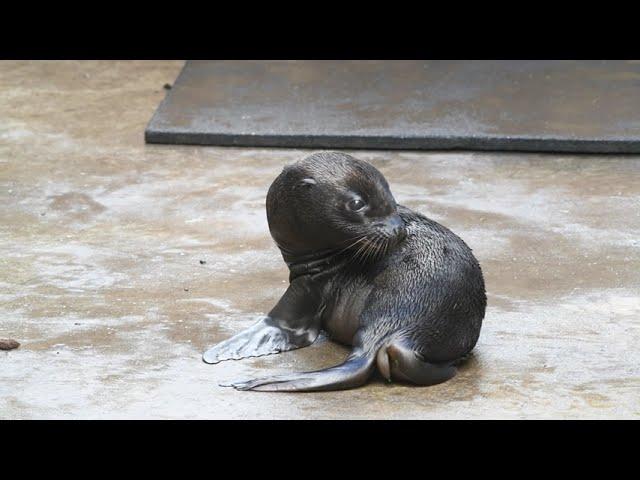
(385, 246)
(356, 237)
(373, 247)
(357, 252)
(380, 245)
(353, 244)
(387, 243)
(361, 254)
(361, 250)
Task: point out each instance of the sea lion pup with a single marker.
(405, 292)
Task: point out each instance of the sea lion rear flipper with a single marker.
(399, 362)
(352, 373)
(293, 323)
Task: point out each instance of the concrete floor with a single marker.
(101, 238)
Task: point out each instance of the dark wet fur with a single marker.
(410, 298)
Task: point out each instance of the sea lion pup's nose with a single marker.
(395, 226)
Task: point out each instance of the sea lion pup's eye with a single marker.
(356, 204)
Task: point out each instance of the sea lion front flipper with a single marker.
(293, 323)
(352, 373)
(262, 338)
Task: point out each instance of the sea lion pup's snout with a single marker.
(392, 228)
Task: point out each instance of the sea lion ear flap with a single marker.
(306, 182)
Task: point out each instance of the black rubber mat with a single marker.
(561, 106)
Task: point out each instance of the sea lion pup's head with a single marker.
(332, 201)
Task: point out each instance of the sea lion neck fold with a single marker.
(316, 264)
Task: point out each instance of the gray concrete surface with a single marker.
(101, 238)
